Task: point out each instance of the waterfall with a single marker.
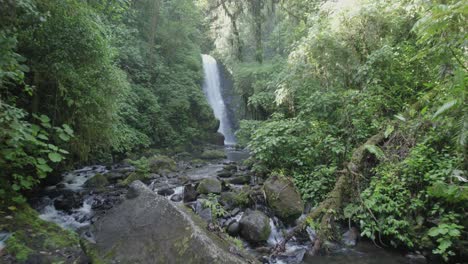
(212, 90)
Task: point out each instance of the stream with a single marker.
(73, 206)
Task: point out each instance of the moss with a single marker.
(91, 252)
(17, 248)
(30, 234)
(97, 181)
(133, 177)
(161, 163)
(209, 186)
(213, 154)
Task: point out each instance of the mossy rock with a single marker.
(31, 235)
(171, 234)
(255, 226)
(161, 163)
(134, 176)
(209, 185)
(283, 197)
(97, 181)
(213, 154)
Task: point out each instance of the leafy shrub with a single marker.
(27, 154)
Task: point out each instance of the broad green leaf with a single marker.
(55, 157)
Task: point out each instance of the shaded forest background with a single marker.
(362, 103)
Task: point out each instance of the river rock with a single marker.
(244, 179)
(350, 237)
(190, 193)
(255, 226)
(176, 198)
(160, 164)
(166, 191)
(233, 228)
(283, 198)
(230, 167)
(225, 174)
(151, 229)
(209, 185)
(115, 176)
(97, 181)
(68, 201)
(228, 199)
(206, 214)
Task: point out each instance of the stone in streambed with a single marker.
(151, 229)
(233, 228)
(283, 197)
(166, 191)
(255, 226)
(244, 179)
(190, 193)
(176, 198)
(225, 174)
(209, 185)
(97, 181)
(350, 237)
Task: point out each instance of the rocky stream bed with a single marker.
(193, 211)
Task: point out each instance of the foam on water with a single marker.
(77, 219)
(74, 180)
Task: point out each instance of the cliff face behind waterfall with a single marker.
(212, 90)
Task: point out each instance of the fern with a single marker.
(378, 152)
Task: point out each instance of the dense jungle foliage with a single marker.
(85, 80)
(362, 103)
(317, 79)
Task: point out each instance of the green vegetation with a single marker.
(95, 80)
(363, 104)
(31, 235)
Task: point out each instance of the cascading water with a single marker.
(212, 90)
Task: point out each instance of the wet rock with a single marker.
(160, 164)
(255, 226)
(225, 174)
(230, 167)
(350, 237)
(166, 191)
(97, 181)
(114, 176)
(190, 193)
(133, 191)
(245, 179)
(283, 198)
(206, 215)
(209, 185)
(235, 211)
(151, 229)
(294, 257)
(176, 198)
(228, 199)
(416, 258)
(263, 250)
(233, 228)
(68, 201)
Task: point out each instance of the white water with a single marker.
(212, 89)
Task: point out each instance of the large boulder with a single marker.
(283, 198)
(255, 226)
(209, 185)
(150, 229)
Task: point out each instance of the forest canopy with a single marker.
(361, 100)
